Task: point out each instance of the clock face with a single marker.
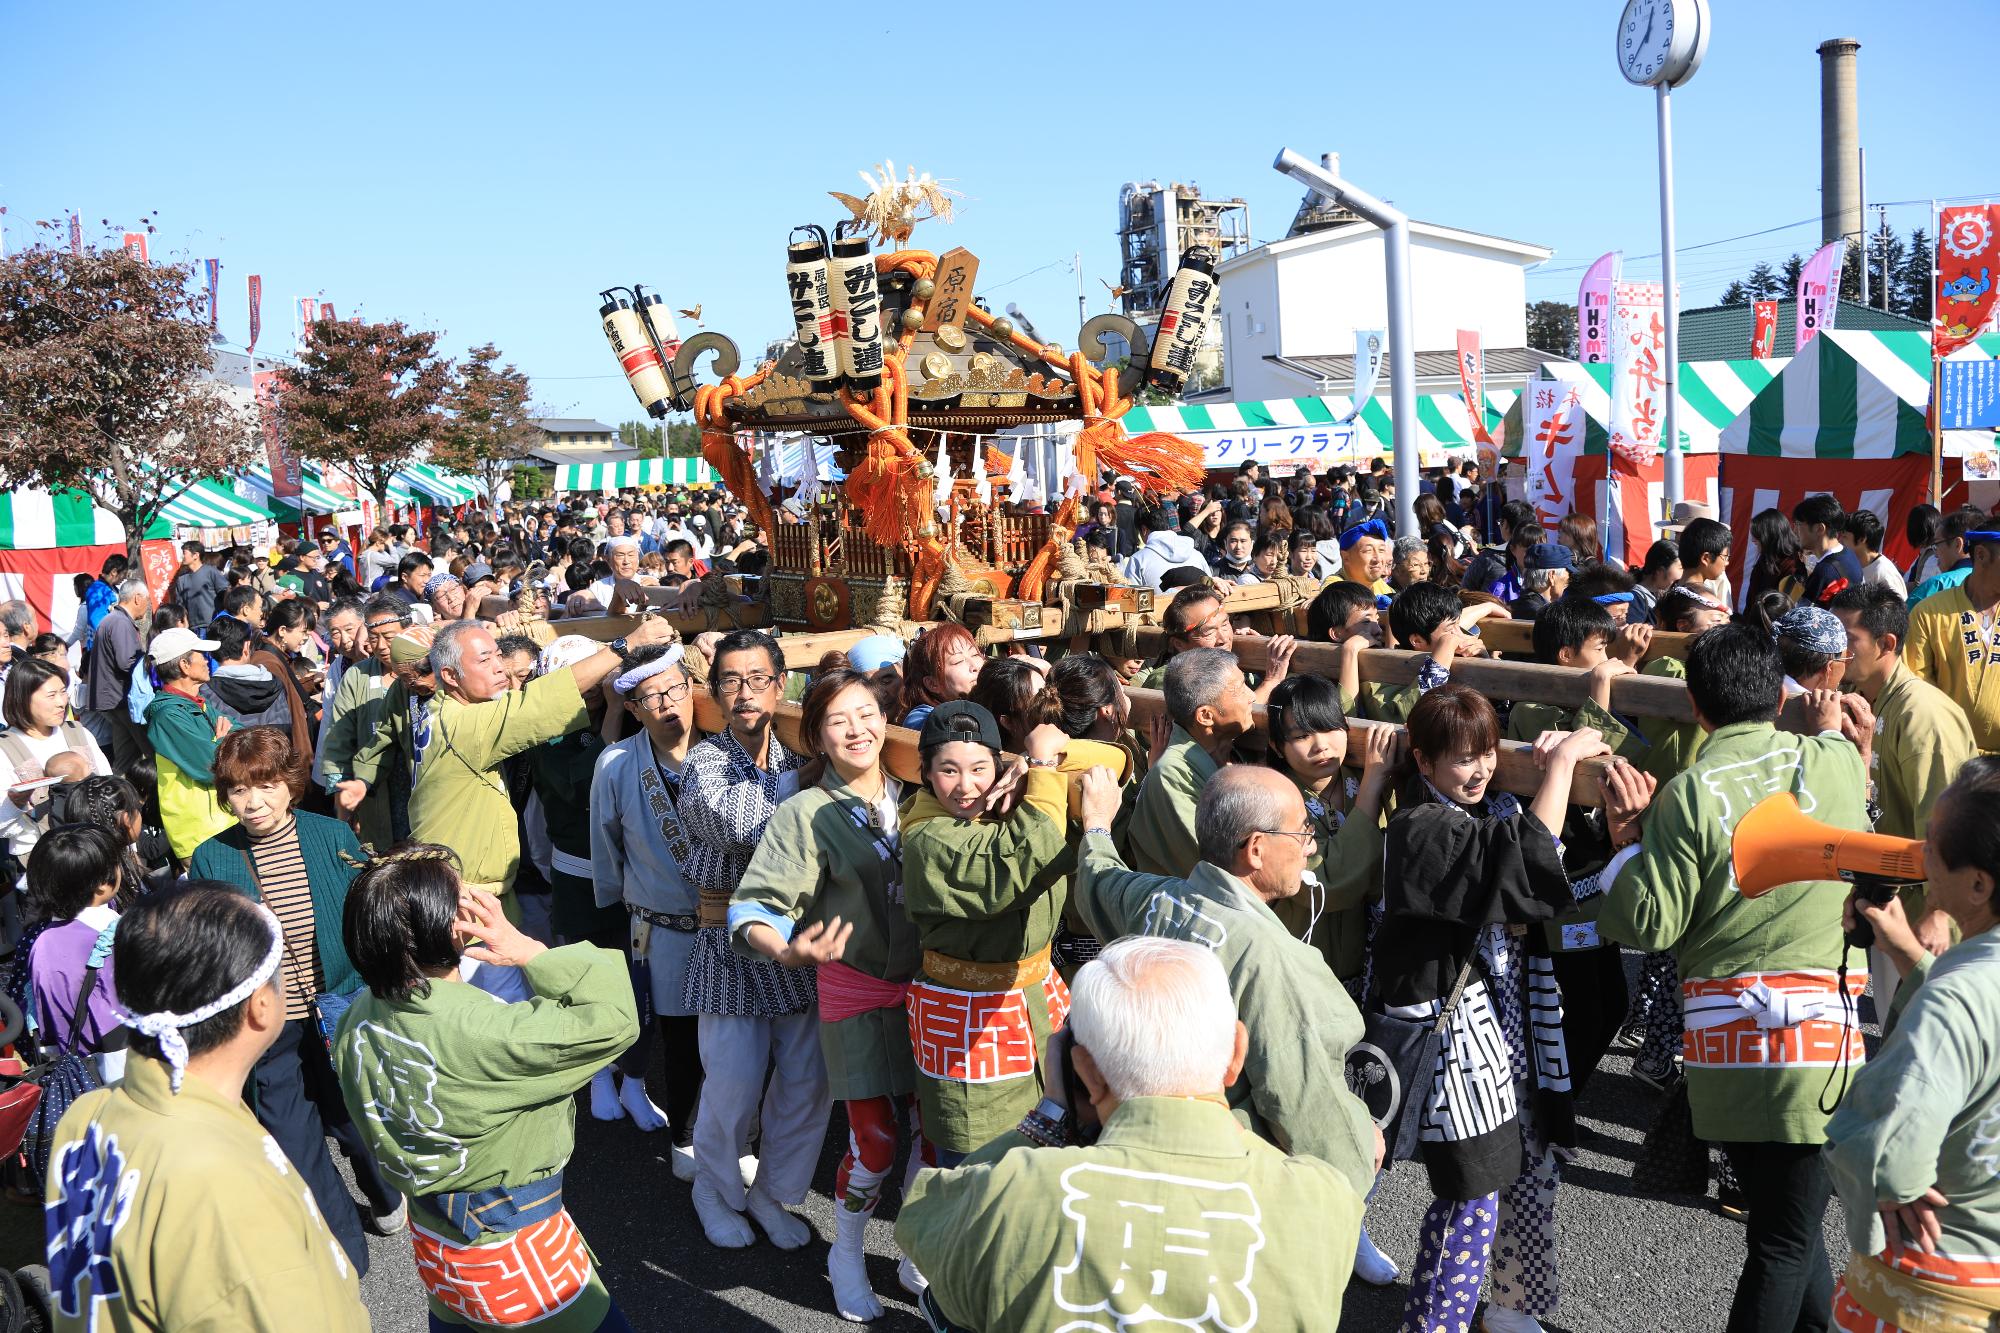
(1645, 40)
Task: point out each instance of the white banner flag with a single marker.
(1638, 369)
(1552, 414)
(1370, 346)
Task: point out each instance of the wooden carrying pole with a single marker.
(1522, 682)
(1517, 638)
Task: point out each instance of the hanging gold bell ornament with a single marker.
(1191, 302)
(638, 357)
(857, 309)
(810, 284)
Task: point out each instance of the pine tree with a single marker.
(1884, 281)
(1736, 293)
(1850, 273)
(1913, 279)
(1788, 278)
(1763, 284)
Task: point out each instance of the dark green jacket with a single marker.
(325, 844)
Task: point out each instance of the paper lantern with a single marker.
(637, 356)
(807, 280)
(1191, 302)
(659, 322)
(857, 306)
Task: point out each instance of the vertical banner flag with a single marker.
(1968, 252)
(135, 245)
(256, 310)
(308, 312)
(1765, 336)
(1472, 381)
(1819, 286)
(1593, 309)
(1638, 369)
(326, 310)
(214, 267)
(285, 469)
(75, 234)
(1370, 346)
(1555, 424)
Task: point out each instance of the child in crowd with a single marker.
(73, 877)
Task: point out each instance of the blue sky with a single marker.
(486, 170)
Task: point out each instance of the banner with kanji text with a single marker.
(1764, 337)
(1552, 417)
(1472, 382)
(1593, 310)
(1638, 366)
(256, 310)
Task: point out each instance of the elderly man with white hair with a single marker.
(1254, 839)
(459, 736)
(622, 554)
(114, 654)
(1132, 1193)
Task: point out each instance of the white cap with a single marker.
(170, 645)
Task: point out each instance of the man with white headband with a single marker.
(639, 854)
(459, 738)
(168, 1206)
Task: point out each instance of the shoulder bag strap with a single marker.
(16, 749)
(1457, 992)
(292, 964)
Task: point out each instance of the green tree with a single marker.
(1764, 284)
(487, 423)
(1736, 293)
(641, 435)
(528, 482)
(365, 397)
(1850, 273)
(105, 383)
(1788, 280)
(1913, 280)
(1552, 327)
(683, 440)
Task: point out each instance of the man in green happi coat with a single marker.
(1047, 1226)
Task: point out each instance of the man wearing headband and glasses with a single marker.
(168, 1206)
(458, 738)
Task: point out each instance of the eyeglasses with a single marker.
(671, 694)
(1307, 836)
(755, 683)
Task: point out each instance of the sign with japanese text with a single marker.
(1969, 394)
(1764, 334)
(956, 268)
(1472, 382)
(308, 312)
(214, 267)
(285, 466)
(1968, 253)
(1638, 369)
(1283, 450)
(1552, 414)
(1819, 287)
(1593, 310)
(135, 245)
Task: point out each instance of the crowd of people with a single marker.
(349, 847)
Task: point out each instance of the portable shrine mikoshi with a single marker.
(904, 376)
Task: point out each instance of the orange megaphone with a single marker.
(1778, 843)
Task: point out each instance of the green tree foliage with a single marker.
(1552, 327)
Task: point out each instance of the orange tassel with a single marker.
(1035, 577)
(720, 450)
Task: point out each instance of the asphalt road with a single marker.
(1629, 1264)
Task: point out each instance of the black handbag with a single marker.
(1390, 1069)
(63, 1079)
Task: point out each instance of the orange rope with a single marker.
(720, 449)
(1035, 577)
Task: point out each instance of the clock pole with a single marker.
(1670, 301)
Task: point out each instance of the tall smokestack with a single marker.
(1839, 141)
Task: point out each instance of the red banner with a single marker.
(1766, 336)
(326, 310)
(285, 468)
(1472, 380)
(135, 246)
(1891, 487)
(1627, 509)
(1968, 252)
(256, 310)
(75, 234)
(308, 312)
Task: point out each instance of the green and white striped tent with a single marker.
(1712, 395)
(1854, 394)
(211, 504)
(433, 484)
(635, 472)
(315, 496)
(36, 520)
(1293, 431)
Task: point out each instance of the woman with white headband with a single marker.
(466, 1100)
(168, 1206)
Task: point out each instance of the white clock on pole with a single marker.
(1661, 42)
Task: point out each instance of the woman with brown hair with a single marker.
(1579, 533)
(825, 890)
(300, 866)
(941, 665)
(1450, 552)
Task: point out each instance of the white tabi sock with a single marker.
(725, 1228)
(604, 1096)
(786, 1230)
(645, 1116)
(847, 1266)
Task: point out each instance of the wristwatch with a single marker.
(617, 645)
(1042, 763)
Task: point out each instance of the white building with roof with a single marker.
(1289, 309)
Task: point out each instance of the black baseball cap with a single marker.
(959, 720)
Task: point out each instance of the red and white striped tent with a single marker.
(47, 538)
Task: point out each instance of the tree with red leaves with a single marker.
(104, 383)
(487, 426)
(364, 398)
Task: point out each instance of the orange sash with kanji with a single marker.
(979, 1037)
(1725, 1031)
(525, 1276)
(1908, 1291)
